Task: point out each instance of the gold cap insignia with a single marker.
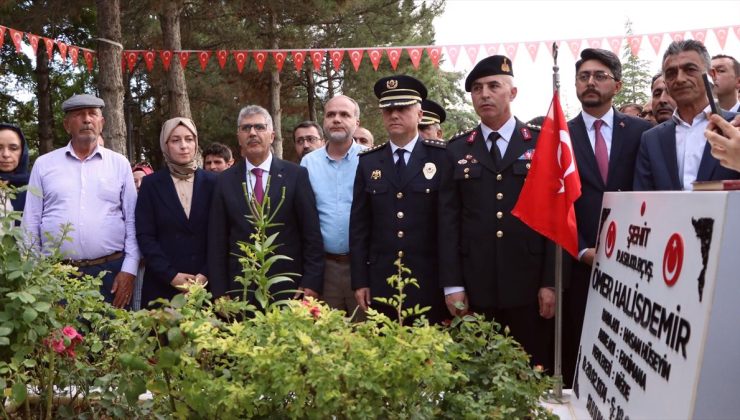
(391, 84)
(505, 66)
(376, 174)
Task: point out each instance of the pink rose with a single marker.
(72, 334)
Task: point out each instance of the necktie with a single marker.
(259, 192)
(400, 162)
(602, 156)
(495, 151)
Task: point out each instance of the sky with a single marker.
(470, 22)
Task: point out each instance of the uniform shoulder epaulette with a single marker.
(534, 127)
(435, 143)
(372, 149)
(462, 134)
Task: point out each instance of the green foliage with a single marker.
(636, 77)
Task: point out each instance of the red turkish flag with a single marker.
(656, 40)
(33, 39)
(615, 43)
(492, 49)
(634, 42)
(575, 47)
(241, 58)
(149, 60)
(453, 51)
(88, 54)
(17, 37)
(74, 53)
(511, 49)
(394, 54)
(594, 42)
(62, 50)
(203, 57)
(183, 56)
(720, 33)
(279, 57)
(355, 56)
(130, 58)
(298, 58)
(700, 35)
(336, 58)
(375, 55)
(166, 57)
(415, 56)
(222, 55)
(2, 35)
(678, 36)
(317, 57)
(552, 184)
(532, 47)
(472, 51)
(260, 57)
(434, 53)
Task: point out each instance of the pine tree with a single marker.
(635, 76)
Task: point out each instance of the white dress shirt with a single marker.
(506, 131)
(607, 129)
(690, 143)
(409, 147)
(252, 178)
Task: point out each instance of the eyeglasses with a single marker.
(306, 139)
(246, 128)
(598, 76)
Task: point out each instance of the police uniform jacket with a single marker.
(394, 218)
(500, 261)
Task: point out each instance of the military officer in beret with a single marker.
(490, 262)
(433, 115)
(394, 208)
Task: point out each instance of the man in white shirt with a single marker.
(726, 81)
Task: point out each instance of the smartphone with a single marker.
(708, 88)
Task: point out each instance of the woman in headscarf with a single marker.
(172, 215)
(139, 171)
(13, 163)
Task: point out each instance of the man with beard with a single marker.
(331, 170)
(676, 153)
(307, 137)
(663, 104)
(286, 186)
(394, 209)
(605, 144)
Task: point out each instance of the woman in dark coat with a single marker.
(14, 168)
(172, 215)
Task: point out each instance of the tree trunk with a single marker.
(110, 80)
(43, 93)
(275, 109)
(311, 94)
(177, 88)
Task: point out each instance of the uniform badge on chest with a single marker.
(376, 174)
(429, 170)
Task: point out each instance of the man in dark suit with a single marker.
(491, 262)
(676, 153)
(605, 144)
(394, 208)
(264, 177)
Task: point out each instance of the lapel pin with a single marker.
(376, 174)
(526, 133)
(429, 170)
(471, 138)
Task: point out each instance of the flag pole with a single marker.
(557, 373)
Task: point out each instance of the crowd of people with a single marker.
(350, 208)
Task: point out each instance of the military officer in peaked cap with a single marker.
(394, 208)
(433, 115)
(491, 262)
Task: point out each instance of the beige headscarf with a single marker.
(182, 171)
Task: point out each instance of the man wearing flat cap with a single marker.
(89, 188)
(490, 262)
(394, 208)
(433, 115)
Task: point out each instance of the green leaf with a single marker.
(29, 314)
(166, 358)
(96, 347)
(178, 301)
(5, 331)
(19, 392)
(174, 335)
(4, 341)
(42, 306)
(14, 275)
